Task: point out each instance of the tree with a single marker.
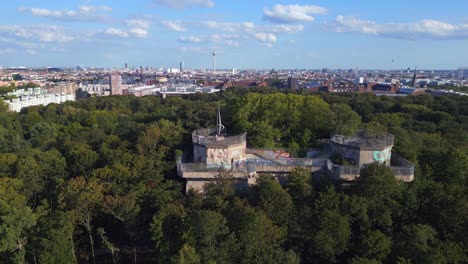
(81, 159)
(261, 241)
(84, 197)
(298, 185)
(361, 260)
(208, 233)
(150, 143)
(267, 118)
(4, 107)
(375, 245)
(344, 120)
(220, 192)
(332, 235)
(452, 167)
(53, 241)
(17, 77)
(187, 255)
(416, 243)
(107, 243)
(16, 218)
(376, 181)
(44, 171)
(166, 229)
(378, 185)
(269, 195)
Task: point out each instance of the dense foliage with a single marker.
(95, 181)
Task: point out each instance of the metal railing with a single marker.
(290, 162)
(338, 171)
(401, 166)
(365, 139)
(250, 166)
(203, 167)
(208, 137)
(405, 170)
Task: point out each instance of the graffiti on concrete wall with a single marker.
(382, 156)
(217, 156)
(274, 154)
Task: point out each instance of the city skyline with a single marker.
(248, 34)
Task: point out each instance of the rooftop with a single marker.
(209, 137)
(365, 139)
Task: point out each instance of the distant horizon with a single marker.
(221, 69)
(283, 34)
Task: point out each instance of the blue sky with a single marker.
(261, 34)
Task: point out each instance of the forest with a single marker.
(95, 181)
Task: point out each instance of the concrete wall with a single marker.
(198, 185)
(219, 156)
(370, 156)
(363, 157)
(199, 153)
(407, 178)
(346, 152)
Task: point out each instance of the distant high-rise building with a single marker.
(360, 80)
(462, 73)
(116, 84)
(181, 67)
(214, 61)
(126, 66)
(293, 83)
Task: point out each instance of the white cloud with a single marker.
(292, 13)
(13, 45)
(138, 27)
(226, 39)
(182, 4)
(229, 26)
(174, 25)
(46, 12)
(106, 8)
(116, 32)
(191, 49)
(284, 28)
(267, 38)
(87, 9)
(41, 33)
(135, 27)
(190, 39)
(138, 23)
(248, 26)
(139, 32)
(234, 33)
(423, 29)
(237, 31)
(125, 33)
(7, 51)
(83, 13)
(231, 42)
(31, 52)
(31, 38)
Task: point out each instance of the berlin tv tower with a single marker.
(214, 61)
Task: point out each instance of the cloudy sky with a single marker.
(262, 34)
